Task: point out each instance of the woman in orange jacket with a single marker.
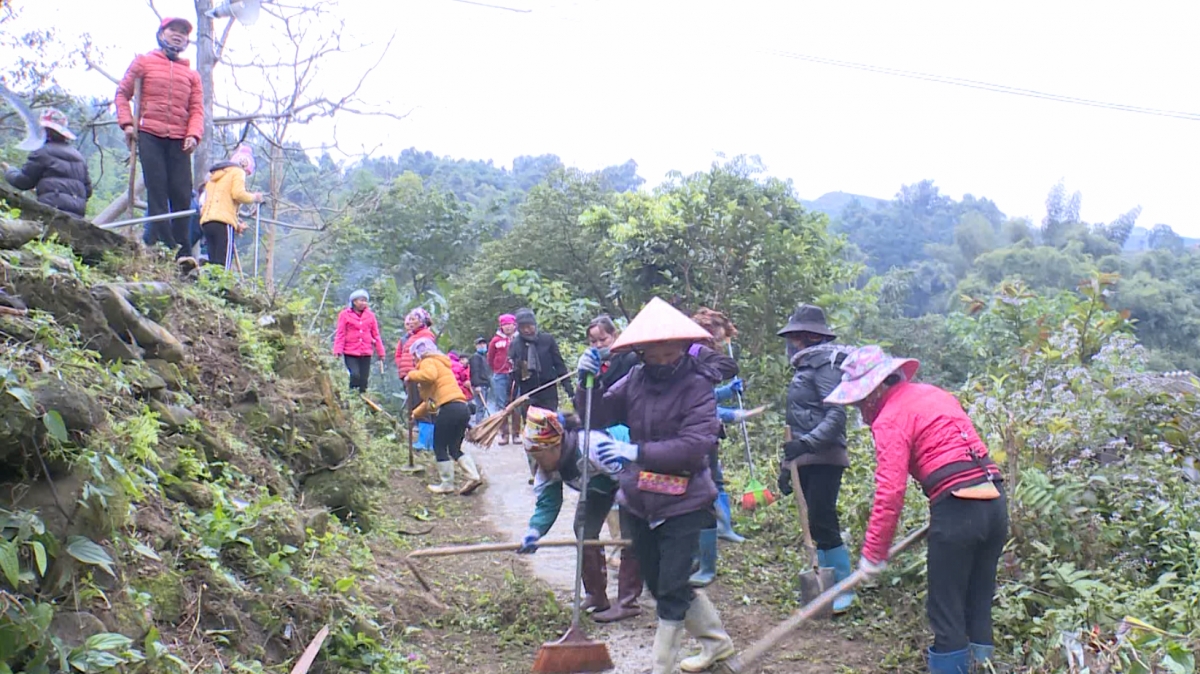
(441, 395)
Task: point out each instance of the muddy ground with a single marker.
(500, 512)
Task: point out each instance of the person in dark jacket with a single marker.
(481, 378)
(611, 368)
(816, 436)
(56, 170)
(713, 352)
(666, 488)
(556, 444)
(536, 361)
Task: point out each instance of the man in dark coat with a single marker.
(536, 362)
(56, 170)
(816, 435)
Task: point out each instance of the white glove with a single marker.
(595, 441)
(871, 569)
(611, 451)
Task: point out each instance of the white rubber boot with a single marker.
(667, 642)
(703, 622)
(474, 478)
(446, 473)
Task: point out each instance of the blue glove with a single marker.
(737, 385)
(610, 451)
(529, 543)
(589, 362)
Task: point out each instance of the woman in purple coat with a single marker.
(666, 488)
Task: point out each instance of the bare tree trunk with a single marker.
(206, 58)
(276, 189)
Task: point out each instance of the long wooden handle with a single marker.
(517, 403)
(310, 653)
(802, 506)
(509, 547)
(749, 657)
(133, 143)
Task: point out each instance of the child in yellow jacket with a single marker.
(225, 190)
(441, 395)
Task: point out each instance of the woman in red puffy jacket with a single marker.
(357, 338)
(921, 430)
(168, 130)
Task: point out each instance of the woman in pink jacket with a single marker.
(357, 337)
(921, 430)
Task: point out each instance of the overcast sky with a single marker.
(670, 83)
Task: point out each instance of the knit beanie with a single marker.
(423, 347)
(508, 319)
(359, 293)
(525, 317)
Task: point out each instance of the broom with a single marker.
(484, 433)
(574, 652)
(756, 493)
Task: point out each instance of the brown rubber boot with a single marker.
(595, 580)
(629, 588)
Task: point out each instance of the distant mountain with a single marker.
(833, 203)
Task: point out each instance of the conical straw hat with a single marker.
(659, 322)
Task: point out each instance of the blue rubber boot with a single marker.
(725, 530)
(839, 559)
(956, 662)
(707, 572)
(981, 656)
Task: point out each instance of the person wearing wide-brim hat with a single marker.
(921, 430)
(55, 170)
(815, 439)
(666, 489)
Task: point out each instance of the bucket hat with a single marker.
(55, 120)
(864, 370)
(807, 318)
(659, 322)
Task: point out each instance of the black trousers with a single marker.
(821, 485)
(167, 170)
(220, 245)
(592, 516)
(360, 371)
(448, 430)
(966, 539)
(665, 554)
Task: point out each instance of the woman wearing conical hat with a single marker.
(921, 430)
(554, 442)
(666, 488)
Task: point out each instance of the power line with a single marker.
(985, 86)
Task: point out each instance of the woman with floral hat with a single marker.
(417, 325)
(554, 442)
(921, 430)
(666, 487)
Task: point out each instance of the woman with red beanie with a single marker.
(497, 358)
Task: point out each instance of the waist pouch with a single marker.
(658, 483)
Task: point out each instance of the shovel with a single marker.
(816, 580)
(406, 429)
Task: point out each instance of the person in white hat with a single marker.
(921, 430)
(56, 170)
(666, 486)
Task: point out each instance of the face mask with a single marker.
(171, 52)
(661, 372)
(481, 349)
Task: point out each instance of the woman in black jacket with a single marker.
(56, 170)
(816, 435)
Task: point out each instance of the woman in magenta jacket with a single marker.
(356, 338)
(921, 430)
